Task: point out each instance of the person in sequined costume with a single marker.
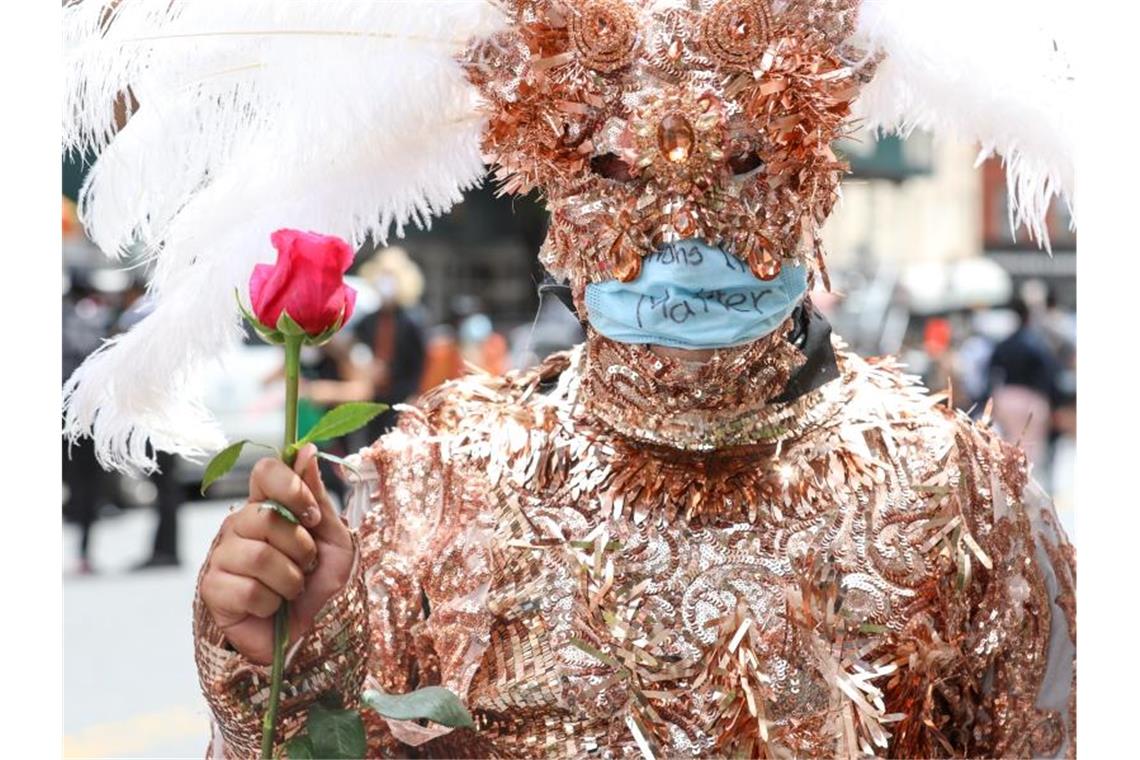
(776, 549)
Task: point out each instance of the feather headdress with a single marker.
(997, 73)
(339, 116)
(353, 117)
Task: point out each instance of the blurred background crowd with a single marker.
(923, 266)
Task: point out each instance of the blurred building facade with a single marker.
(906, 201)
(1018, 255)
(917, 201)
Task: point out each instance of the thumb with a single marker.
(330, 525)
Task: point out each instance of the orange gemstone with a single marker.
(675, 137)
(628, 268)
(767, 268)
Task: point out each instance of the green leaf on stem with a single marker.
(342, 420)
(280, 509)
(434, 703)
(222, 463)
(300, 747)
(337, 734)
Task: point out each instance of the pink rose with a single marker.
(307, 282)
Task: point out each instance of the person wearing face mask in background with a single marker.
(394, 333)
(381, 358)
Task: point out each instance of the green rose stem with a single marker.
(281, 617)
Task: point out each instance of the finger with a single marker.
(331, 527)
(259, 560)
(259, 524)
(272, 479)
(231, 598)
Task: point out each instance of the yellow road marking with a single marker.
(137, 733)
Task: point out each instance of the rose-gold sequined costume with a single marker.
(621, 555)
(871, 573)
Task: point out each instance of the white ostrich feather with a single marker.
(342, 117)
(995, 72)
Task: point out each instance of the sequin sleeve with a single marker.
(984, 665)
(413, 614)
(329, 658)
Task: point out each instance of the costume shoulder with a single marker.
(949, 463)
(480, 410)
(1001, 572)
(936, 447)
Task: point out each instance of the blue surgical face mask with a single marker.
(693, 295)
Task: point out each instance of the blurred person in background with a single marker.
(1060, 328)
(1059, 325)
(86, 323)
(1023, 381)
(329, 376)
(389, 370)
(72, 229)
(483, 347)
(394, 333)
(480, 345)
(972, 360)
(443, 356)
(937, 336)
(467, 339)
(136, 306)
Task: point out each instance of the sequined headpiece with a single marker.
(648, 121)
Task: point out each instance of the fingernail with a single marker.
(311, 516)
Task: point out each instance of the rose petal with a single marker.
(272, 282)
(257, 282)
(284, 239)
(349, 302)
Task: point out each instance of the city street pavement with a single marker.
(130, 687)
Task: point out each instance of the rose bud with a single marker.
(304, 291)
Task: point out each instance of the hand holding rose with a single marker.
(280, 558)
(286, 552)
(261, 559)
